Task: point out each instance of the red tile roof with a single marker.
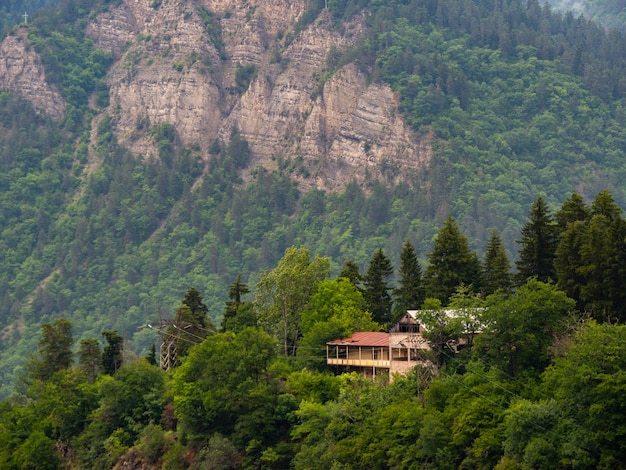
(364, 338)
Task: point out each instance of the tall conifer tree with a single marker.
(451, 264)
(572, 210)
(351, 272)
(538, 245)
(376, 288)
(604, 260)
(410, 293)
(496, 266)
(235, 291)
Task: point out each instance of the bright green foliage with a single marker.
(522, 327)
(442, 331)
(588, 383)
(410, 292)
(467, 318)
(538, 245)
(37, 452)
(496, 272)
(376, 288)
(451, 264)
(532, 434)
(225, 386)
(283, 293)
(127, 402)
(335, 310)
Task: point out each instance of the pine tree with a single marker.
(90, 357)
(235, 291)
(568, 260)
(496, 267)
(539, 242)
(603, 256)
(55, 349)
(411, 292)
(198, 309)
(112, 353)
(376, 288)
(351, 272)
(451, 264)
(572, 210)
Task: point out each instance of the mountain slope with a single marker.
(204, 138)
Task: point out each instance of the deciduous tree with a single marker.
(283, 293)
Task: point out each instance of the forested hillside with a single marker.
(519, 101)
(538, 384)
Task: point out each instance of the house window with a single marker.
(409, 328)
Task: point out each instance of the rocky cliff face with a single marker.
(21, 71)
(207, 66)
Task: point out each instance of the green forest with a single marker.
(518, 214)
(538, 387)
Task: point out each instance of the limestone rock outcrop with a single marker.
(208, 66)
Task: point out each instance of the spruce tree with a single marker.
(112, 353)
(378, 300)
(198, 309)
(55, 349)
(351, 272)
(572, 210)
(451, 264)
(410, 293)
(235, 291)
(538, 245)
(603, 256)
(90, 357)
(496, 266)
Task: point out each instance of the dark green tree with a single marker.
(522, 328)
(55, 349)
(350, 271)
(603, 254)
(568, 260)
(538, 245)
(376, 291)
(190, 325)
(496, 267)
(572, 210)
(235, 292)
(410, 292)
(152, 356)
(451, 264)
(90, 357)
(197, 308)
(112, 354)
